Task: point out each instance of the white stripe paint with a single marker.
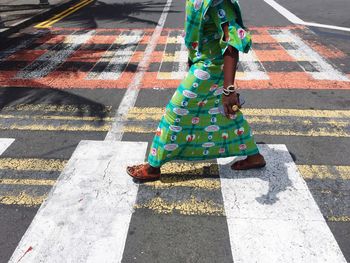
(271, 214)
(49, 61)
(296, 20)
(24, 44)
(182, 58)
(87, 214)
(4, 144)
(303, 52)
(252, 67)
(118, 59)
(179, 70)
(132, 91)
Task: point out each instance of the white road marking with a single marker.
(271, 214)
(24, 44)
(4, 144)
(118, 59)
(132, 91)
(87, 214)
(252, 68)
(181, 57)
(296, 20)
(179, 70)
(49, 61)
(302, 52)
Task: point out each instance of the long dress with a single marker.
(193, 126)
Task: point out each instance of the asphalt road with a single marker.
(49, 106)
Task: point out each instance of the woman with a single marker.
(193, 126)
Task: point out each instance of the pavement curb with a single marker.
(36, 18)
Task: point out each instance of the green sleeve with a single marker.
(222, 11)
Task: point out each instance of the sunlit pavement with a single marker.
(81, 96)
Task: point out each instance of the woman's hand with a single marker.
(228, 102)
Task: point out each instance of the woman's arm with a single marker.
(231, 57)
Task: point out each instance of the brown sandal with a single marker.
(140, 172)
(245, 165)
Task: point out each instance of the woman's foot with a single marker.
(251, 162)
(144, 172)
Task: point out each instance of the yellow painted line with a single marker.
(189, 207)
(324, 172)
(186, 181)
(56, 117)
(81, 109)
(282, 132)
(32, 164)
(164, 75)
(48, 23)
(28, 181)
(338, 219)
(186, 168)
(185, 174)
(256, 119)
(63, 127)
(22, 199)
(153, 111)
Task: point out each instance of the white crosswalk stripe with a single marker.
(87, 213)
(271, 214)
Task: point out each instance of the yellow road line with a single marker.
(28, 181)
(281, 132)
(338, 219)
(83, 109)
(185, 174)
(185, 181)
(157, 112)
(22, 199)
(324, 172)
(48, 23)
(56, 117)
(189, 207)
(32, 164)
(62, 127)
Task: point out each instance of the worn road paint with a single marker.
(274, 207)
(98, 198)
(117, 60)
(252, 68)
(49, 61)
(32, 164)
(84, 109)
(337, 172)
(192, 206)
(157, 112)
(285, 122)
(130, 96)
(179, 69)
(319, 69)
(28, 181)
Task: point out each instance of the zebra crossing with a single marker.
(281, 58)
(99, 198)
(92, 182)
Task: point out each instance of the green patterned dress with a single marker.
(194, 126)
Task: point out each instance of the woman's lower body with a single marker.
(194, 126)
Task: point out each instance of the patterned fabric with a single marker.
(194, 126)
(200, 12)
